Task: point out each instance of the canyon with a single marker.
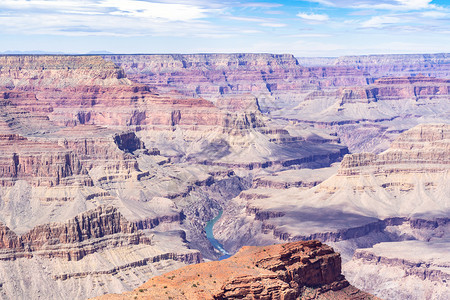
(111, 166)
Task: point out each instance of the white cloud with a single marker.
(274, 25)
(107, 17)
(434, 14)
(415, 4)
(248, 19)
(313, 35)
(401, 5)
(132, 8)
(380, 4)
(166, 11)
(260, 5)
(313, 17)
(381, 21)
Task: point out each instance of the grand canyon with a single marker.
(315, 178)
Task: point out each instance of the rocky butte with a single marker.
(111, 167)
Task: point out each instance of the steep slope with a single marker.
(301, 270)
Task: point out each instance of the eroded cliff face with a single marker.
(301, 270)
(85, 234)
(98, 246)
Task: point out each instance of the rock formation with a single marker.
(300, 270)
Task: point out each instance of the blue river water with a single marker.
(210, 235)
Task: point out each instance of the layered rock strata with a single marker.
(172, 138)
(110, 269)
(274, 80)
(301, 270)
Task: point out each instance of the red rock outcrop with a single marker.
(300, 270)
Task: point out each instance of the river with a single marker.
(210, 235)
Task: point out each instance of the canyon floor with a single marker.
(111, 167)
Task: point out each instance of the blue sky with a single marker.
(303, 28)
